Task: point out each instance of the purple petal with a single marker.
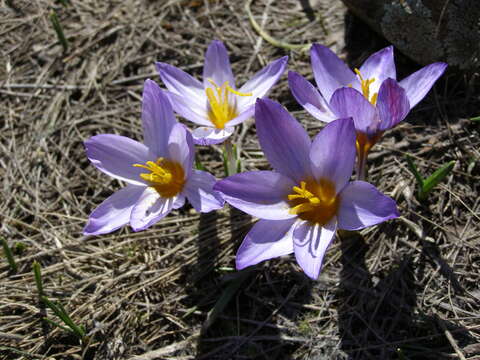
(243, 116)
(362, 205)
(332, 154)
(267, 239)
(157, 118)
(180, 148)
(392, 104)
(149, 209)
(205, 135)
(179, 82)
(329, 71)
(348, 102)
(190, 110)
(114, 212)
(200, 193)
(259, 193)
(310, 244)
(379, 66)
(261, 83)
(283, 140)
(179, 201)
(419, 83)
(115, 155)
(217, 65)
(308, 96)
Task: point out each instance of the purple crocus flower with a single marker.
(215, 104)
(370, 95)
(158, 174)
(308, 197)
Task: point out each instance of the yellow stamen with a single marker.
(365, 84)
(221, 110)
(165, 176)
(314, 201)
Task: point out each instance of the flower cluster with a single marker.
(308, 195)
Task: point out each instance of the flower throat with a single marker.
(165, 176)
(314, 201)
(220, 110)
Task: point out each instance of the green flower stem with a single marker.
(361, 166)
(230, 159)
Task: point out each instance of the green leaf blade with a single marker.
(413, 169)
(434, 179)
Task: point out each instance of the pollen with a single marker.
(165, 176)
(365, 84)
(222, 103)
(314, 201)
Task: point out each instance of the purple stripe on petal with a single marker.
(392, 104)
(283, 140)
(259, 193)
(267, 239)
(180, 148)
(311, 243)
(157, 118)
(217, 65)
(179, 82)
(379, 66)
(115, 155)
(149, 209)
(200, 193)
(330, 72)
(348, 102)
(190, 110)
(419, 83)
(362, 205)
(205, 135)
(308, 96)
(333, 152)
(114, 212)
(261, 83)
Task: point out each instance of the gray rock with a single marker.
(427, 30)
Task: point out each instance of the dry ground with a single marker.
(408, 289)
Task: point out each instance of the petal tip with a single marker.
(240, 265)
(161, 65)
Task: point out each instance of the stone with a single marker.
(426, 30)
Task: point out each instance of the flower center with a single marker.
(220, 109)
(365, 84)
(314, 201)
(165, 176)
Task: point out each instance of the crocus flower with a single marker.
(216, 105)
(308, 197)
(370, 95)
(158, 174)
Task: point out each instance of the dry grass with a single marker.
(409, 284)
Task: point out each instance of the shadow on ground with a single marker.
(378, 317)
(248, 325)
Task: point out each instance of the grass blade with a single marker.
(38, 278)
(58, 325)
(9, 255)
(60, 312)
(476, 118)
(413, 169)
(433, 180)
(59, 30)
(198, 164)
(225, 298)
